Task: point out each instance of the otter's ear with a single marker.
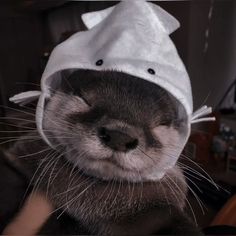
(169, 23)
(91, 19)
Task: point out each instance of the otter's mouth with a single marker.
(111, 160)
(111, 168)
(108, 169)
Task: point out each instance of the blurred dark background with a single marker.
(206, 42)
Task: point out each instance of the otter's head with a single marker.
(115, 126)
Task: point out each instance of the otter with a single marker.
(111, 166)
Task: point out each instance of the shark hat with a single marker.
(130, 37)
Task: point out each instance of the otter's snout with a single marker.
(117, 140)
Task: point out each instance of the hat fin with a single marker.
(91, 19)
(169, 22)
(26, 97)
(203, 111)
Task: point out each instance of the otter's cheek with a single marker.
(172, 146)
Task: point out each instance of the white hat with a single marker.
(131, 37)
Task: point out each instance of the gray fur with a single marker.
(111, 192)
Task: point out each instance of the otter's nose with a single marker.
(117, 140)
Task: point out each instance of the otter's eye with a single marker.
(72, 88)
(86, 101)
(165, 123)
(78, 94)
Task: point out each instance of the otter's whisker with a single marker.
(18, 110)
(72, 200)
(35, 153)
(18, 126)
(36, 171)
(190, 206)
(44, 171)
(195, 195)
(207, 177)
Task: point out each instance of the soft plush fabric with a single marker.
(132, 37)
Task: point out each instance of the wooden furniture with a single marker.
(227, 215)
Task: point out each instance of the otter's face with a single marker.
(115, 126)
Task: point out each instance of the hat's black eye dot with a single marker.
(151, 71)
(99, 62)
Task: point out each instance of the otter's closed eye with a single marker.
(165, 123)
(71, 87)
(78, 94)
